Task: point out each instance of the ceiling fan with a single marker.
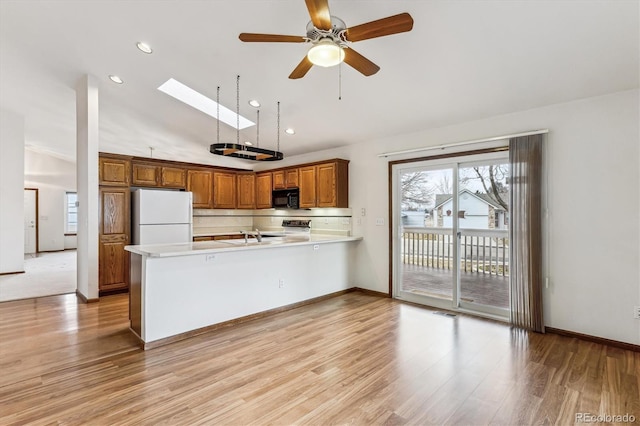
(330, 37)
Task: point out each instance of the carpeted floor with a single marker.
(46, 274)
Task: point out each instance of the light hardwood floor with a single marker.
(353, 359)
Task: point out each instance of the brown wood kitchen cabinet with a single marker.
(325, 184)
(156, 175)
(143, 174)
(246, 191)
(308, 186)
(286, 178)
(113, 171)
(173, 177)
(263, 190)
(333, 184)
(114, 234)
(224, 190)
(200, 183)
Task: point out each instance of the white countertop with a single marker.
(204, 247)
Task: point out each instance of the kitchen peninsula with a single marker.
(179, 290)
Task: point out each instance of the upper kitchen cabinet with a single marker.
(325, 184)
(224, 190)
(173, 177)
(113, 171)
(286, 178)
(246, 191)
(307, 187)
(143, 174)
(263, 190)
(157, 175)
(200, 183)
(333, 184)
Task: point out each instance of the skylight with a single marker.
(200, 102)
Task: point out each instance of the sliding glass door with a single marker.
(450, 234)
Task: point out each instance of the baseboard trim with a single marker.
(12, 273)
(84, 299)
(594, 339)
(197, 332)
(372, 292)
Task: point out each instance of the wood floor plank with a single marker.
(354, 359)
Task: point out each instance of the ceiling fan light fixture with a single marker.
(326, 53)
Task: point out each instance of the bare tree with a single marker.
(492, 179)
(416, 191)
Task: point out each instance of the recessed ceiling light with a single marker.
(200, 102)
(116, 79)
(290, 131)
(254, 103)
(248, 143)
(144, 47)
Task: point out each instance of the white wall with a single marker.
(11, 192)
(593, 160)
(53, 177)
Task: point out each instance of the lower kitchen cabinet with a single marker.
(114, 225)
(114, 264)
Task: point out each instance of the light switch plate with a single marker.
(379, 221)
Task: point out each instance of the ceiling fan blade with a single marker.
(360, 63)
(382, 27)
(275, 38)
(303, 67)
(319, 12)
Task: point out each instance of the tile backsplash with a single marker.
(323, 221)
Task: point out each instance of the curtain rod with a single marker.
(495, 138)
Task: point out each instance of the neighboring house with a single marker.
(476, 211)
(413, 218)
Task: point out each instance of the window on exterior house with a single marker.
(71, 213)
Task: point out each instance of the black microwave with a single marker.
(286, 198)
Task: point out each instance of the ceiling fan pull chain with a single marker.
(340, 81)
(238, 110)
(218, 116)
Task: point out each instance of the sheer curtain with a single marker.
(525, 232)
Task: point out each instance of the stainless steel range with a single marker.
(297, 229)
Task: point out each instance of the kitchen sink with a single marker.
(253, 242)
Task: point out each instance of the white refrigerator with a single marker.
(161, 217)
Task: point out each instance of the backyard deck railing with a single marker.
(483, 251)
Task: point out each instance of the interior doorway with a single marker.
(450, 233)
(30, 221)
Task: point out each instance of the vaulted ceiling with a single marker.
(463, 61)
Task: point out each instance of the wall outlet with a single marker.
(280, 283)
(363, 212)
(326, 220)
(636, 312)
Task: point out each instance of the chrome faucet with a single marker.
(246, 235)
(258, 235)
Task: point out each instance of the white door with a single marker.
(30, 234)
